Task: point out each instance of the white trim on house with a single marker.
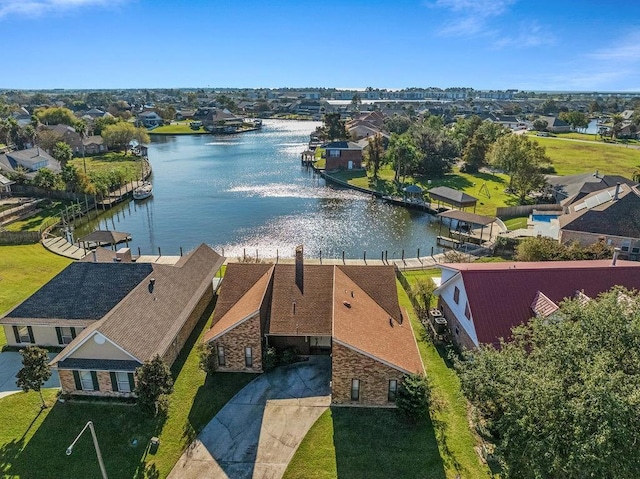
(446, 292)
(91, 335)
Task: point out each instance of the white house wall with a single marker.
(458, 309)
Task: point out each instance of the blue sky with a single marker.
(485, 44)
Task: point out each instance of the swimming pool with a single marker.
(544, 218)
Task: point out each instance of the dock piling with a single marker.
(159, 252)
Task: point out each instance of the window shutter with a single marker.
(59, 334)
(76, 379)
(16, 333)
(132, 382)
(94, 378)
(30, 330)
(73, 333)
(114, 381)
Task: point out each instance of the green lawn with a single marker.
(413, 276)
(572, 157)
(23, 270)
(369, 442)
(488, 188)
(129, 164)
(29, 437)
(48, 215)
(177, 129)
(334, 447)
(516, 223)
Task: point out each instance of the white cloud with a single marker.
(529, 34)
(623, 50)
(471, 17)
(36, 8)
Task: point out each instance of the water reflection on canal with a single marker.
(247, 192)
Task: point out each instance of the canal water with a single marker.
(248, 192)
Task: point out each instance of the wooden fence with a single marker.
(524, 210)
(19, 237)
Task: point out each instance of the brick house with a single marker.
(482, 302)
(101, 314)
(350, 312)
(342, 155)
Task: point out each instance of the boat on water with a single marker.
(143, 191)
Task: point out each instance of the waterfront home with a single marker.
(611, 214)
(342, 155)
(350, 312)
(112, 317)
(483, 301)
(29, 160)
(149, 119)
(94, 145)
(555, 124)
(569, 189)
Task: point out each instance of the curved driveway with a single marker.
(256, 433)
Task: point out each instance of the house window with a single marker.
(467, 312)
(393, 390)
(86, 381)
(248, 357)
(23, 334)
(221, 358)
(334, 153)
(355, 390)
(124, 385)
(65, 335)
(456, 295)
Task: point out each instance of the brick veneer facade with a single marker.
(68, 385)
(462, 339)
(374, 376)
(247, 334)
(172, 353)
(342, 161)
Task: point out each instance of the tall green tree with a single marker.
(413, 397)
(561, 399)
(616, 125)
(334, 127)
(119, 136)
(523, 160)
(375, 154)
(35, 370)
(56, 116)
(576, 119)
(402, 154)
(153, 384)
(437, 151)
(62, 152)
(45, 178)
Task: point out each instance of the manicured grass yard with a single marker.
(572, 157)
(516, 223)
(23, 270)
(177, 129)
(368, 442)
(128, 163)
(33, 442)
(48, 215)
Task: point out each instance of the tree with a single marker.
(402, 154)
(375, 154)
(47, 139)
(334, 127)
(356, 102)
(413, 397)
(523, 159)
(153, 384)
(62, 152)
(35, 370)
(56, 116)
(541, 248)
(397, 123)
(576, 119)
(119, 136)
(561, 399)
(617, 125)
(437, 151)
(540, 124)
(99, 124)
(45, 178)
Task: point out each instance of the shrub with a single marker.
(269, 359)
(413, 397)
(289, 356)
(208, 359)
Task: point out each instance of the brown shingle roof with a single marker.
(312, 305)
(245, 306)
(146, 322)
(238, 279)
(363, 324)
(379, 283)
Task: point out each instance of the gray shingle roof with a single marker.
(83, 291)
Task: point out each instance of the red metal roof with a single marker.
(500, 294)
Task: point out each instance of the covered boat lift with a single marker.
(469, 228)
(454, 198)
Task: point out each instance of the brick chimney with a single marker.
(300, 268)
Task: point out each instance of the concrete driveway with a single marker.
(256, 433)
(10, 364)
